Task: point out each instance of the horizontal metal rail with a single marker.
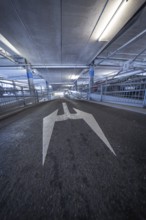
(127, 91)
(14, 96)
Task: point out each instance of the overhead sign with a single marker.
(49, 122)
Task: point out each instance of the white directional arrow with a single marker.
(48, 125)
(49, 122)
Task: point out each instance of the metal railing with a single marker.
(14, 95)
(127, 91)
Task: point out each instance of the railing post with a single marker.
(47, 90)
(30, 80)
(36, 97)
(91, 80)
(144, 100)
(22, 92)
(101, 93)
(15, 93)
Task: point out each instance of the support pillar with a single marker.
(91, 80)
(14, 91)
(32, 91)
(101, 92)
(76, 86)
(30, 81)
(22, 93)
(47, 88)
(144, 100)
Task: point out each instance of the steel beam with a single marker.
(7, 57)
(118, 63)
(59, 66)
(120, 48)
(49, 66)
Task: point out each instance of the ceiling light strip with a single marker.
(115, 17)
(111, 17)
(8, 44)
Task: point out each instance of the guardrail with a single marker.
(131, 91)
(16, 96)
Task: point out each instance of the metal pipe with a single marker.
(130, 41)
(118, 62)
(49, 66)
(123, 46)
(59, 66)
(61, 83)
(7, 57)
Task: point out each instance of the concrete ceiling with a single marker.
(63, 32)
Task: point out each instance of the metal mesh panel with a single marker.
(14, 95)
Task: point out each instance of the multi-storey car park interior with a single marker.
(72, 109)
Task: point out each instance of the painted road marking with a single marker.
(48, 125)
(49, 122)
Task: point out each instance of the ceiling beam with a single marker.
(119, 63)
(59, 66)
(49, 66)
(61, 83)
(7, 57)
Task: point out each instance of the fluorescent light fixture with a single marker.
(114, 21)
(108, 13)
(8, 44)
(3, 51)
(74, 76)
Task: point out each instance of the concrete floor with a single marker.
(81, 178)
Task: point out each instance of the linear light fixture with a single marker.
(4, 52)
(107, 15)
(8, 44)
(115, 19)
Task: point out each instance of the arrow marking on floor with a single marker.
(49, 122)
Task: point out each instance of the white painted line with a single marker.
(66, 111)
(90, 120)
(48, 125)
(49, 121)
